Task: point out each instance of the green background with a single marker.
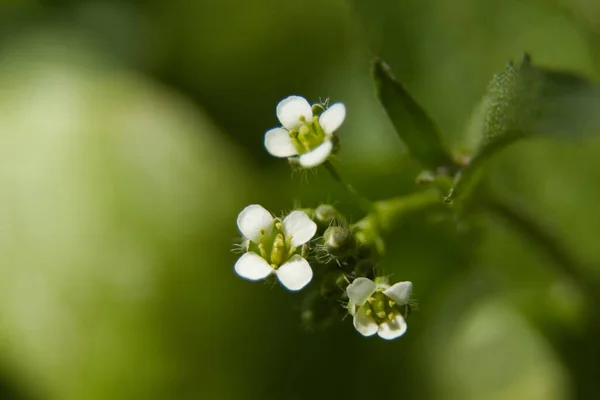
(131, 136)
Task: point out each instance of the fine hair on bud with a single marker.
(339, 241)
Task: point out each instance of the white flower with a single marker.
(274, 247)
(308, 138)
(377, 308)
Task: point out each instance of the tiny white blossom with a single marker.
(376, 308)
(304, 137)
(274, 246)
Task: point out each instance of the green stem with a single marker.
(386, 214)
(365, 204)
(468, 178)
(389, 212)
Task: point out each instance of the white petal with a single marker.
(332, 118)
(399, 292)
(291, 109)
(360, 290)
(299, 227)
(279, 143)
(392, 329)
(295, 274)
(253, 221)
(364, 323)
(252, 266)
(317, 156)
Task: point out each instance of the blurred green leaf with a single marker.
(416, 129)
(524, 101)
(117, 199)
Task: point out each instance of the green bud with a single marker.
(326, 215)
(339, 241)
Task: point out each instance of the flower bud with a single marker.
(339, 241)
(326, 215)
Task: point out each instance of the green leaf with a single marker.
(525, 101)
(416, 129)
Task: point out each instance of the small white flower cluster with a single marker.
(341, 253)
(279, 247)
(303, 137)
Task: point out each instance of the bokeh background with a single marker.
(131, 136)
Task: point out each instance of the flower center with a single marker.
(383, 309)
(309, 136)
(275, 248)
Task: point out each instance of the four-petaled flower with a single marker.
(275, 247)
(378, 308)
(303, 136)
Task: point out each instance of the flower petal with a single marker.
(299, 227)
(332, 118)
(253, 221)
(252, 266)
(392, 329)
(291, 109)
(316, 156)
(295, 274)
(279, 143)
(365, 324)
(360, 290)
(399, 292)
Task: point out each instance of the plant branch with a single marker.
(365, 204)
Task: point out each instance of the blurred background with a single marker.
(131, 136)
